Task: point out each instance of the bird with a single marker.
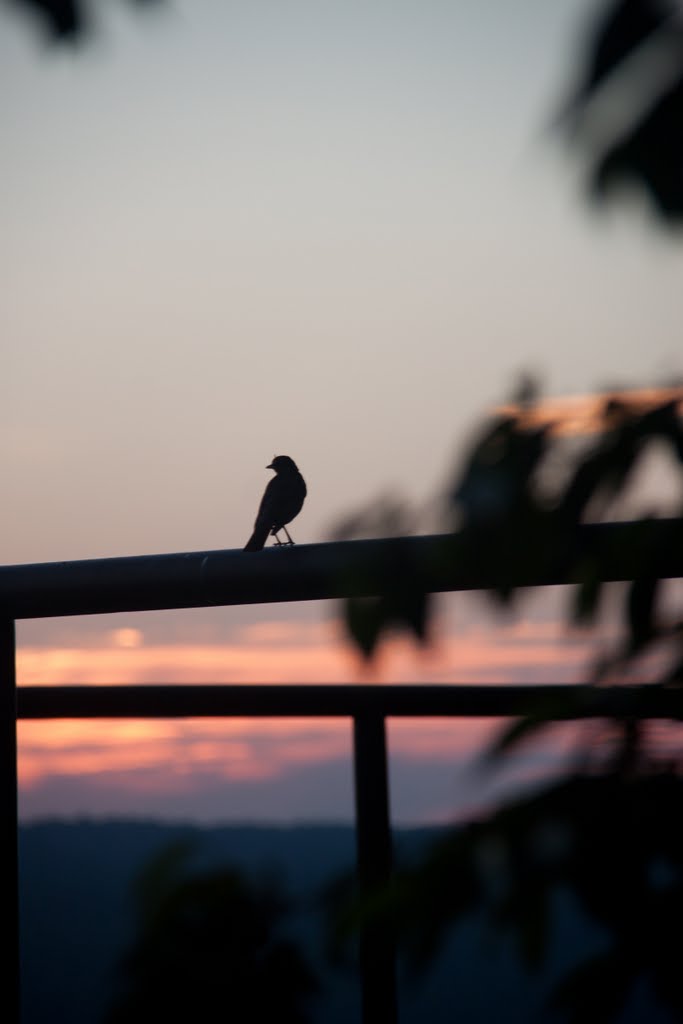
(282, 500)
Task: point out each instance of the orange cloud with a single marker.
(273, 653)
(279, 652)
(584, 414)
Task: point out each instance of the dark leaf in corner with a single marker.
(364, 619)
(622, 28)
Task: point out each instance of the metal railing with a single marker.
(306, 572)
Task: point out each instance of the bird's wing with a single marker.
(269, 502)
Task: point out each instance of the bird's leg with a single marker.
(282, 543)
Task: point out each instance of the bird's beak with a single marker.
(270, 466)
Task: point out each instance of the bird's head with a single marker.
(282, 463)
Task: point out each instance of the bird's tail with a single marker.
(258, 538)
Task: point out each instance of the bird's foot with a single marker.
(283, 543)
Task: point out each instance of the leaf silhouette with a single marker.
(641, 608)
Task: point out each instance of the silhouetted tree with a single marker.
(210, 948)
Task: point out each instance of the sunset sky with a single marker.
(337, 231)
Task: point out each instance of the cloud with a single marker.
(282, 652)
(304, 774)
(579, 415)
(64, 765)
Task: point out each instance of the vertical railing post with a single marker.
(373, 838)
(9, 958)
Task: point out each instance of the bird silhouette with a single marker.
(281, 502)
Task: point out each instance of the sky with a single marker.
(337, 231)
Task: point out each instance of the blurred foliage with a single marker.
(66, 20)
(404, 604)
(626, 109)
(613, 841)
(519, 498)
(609, 832)
(210, 948)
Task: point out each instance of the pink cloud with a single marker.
(168, 756)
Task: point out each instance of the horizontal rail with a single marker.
(305, 572)
(322, 701)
